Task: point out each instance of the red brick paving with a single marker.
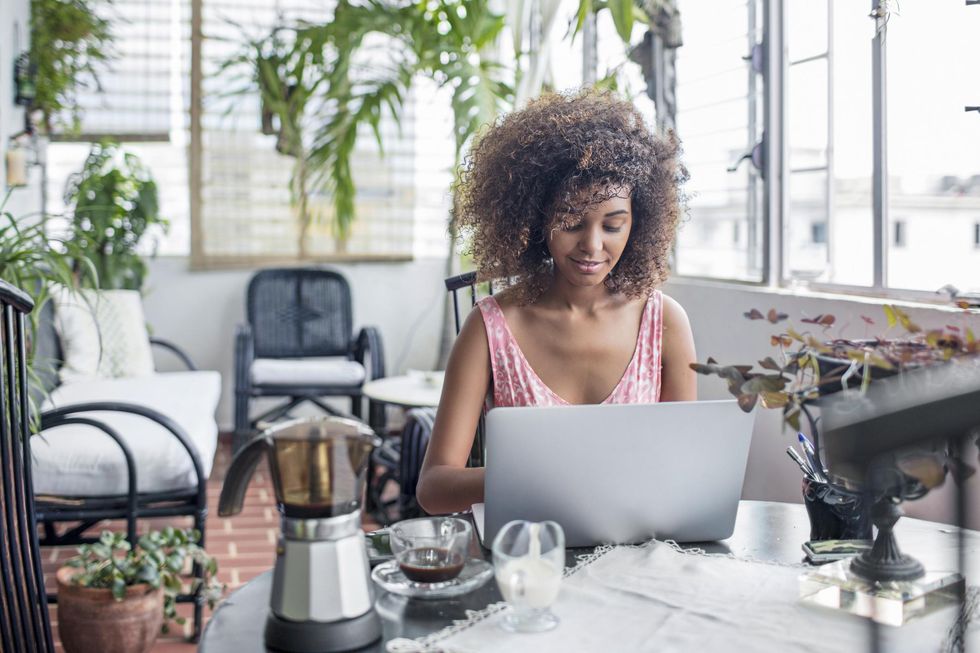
(243, 545)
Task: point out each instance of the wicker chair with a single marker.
(24, 621)
(298, 344)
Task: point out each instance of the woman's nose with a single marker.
(591, 240)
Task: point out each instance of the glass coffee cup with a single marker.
(528, 562)
(431, 549)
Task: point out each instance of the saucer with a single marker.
(390, 578)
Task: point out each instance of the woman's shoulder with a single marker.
(507, 301)
(673, 313)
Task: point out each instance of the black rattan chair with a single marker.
(467, 280)
(24, 621)
(402, 458)
(297, 317)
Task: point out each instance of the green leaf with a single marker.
(759, 384)
(769, 364)
(119, 589)
(622, 14)
(584, 9)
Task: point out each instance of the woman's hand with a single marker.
(445, 483)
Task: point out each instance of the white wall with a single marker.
(721, 332)
(199, 312)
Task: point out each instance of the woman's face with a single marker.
(587, 249)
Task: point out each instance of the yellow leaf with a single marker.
(774, 399)
(890, 315)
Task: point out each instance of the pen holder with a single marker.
(835, 514)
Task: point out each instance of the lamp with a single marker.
(867, 439)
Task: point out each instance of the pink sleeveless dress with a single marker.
(516, 384)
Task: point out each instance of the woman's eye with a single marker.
(613, 230)
(572, 227)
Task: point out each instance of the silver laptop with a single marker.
(618, 473)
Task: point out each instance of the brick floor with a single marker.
(243, 545)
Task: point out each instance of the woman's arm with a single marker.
(445, 483)
(678, 381)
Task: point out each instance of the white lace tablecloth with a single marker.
(657, 598)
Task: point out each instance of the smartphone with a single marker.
(818, 551)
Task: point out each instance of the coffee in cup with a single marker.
(431, 564)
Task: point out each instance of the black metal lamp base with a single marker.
(885, 562)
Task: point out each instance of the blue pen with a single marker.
(811, 456)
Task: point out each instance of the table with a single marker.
(763, 530)
(420, 390)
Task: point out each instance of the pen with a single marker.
(811, 456)
(791, 452)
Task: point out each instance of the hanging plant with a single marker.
(70, 44)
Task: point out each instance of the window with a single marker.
(898, 240)
(245, 215)
(857, 144)
(143, 104)
(720, 121)
(932, 143)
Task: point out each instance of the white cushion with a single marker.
(306, 371)
(102, 334)
(76, 460)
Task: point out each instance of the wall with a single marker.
(14, 35)
(721, 332)
(200, 310)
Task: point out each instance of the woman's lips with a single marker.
(586, 267)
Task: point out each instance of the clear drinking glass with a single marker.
(431, 549)
(528, 561)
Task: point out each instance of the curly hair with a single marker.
(535, 169)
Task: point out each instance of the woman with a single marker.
(575, 199)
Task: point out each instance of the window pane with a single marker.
(806, 25)
(720, 118)
(851, 215)
(933, 144)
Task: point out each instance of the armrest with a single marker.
(180, 353)
(54, 419)
(244, 355)
(369, 340)
(65, 414)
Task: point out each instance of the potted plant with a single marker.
(807, 368)
(115, 598)
(114, 200)
(70, 42)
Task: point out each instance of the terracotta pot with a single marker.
(91, 621)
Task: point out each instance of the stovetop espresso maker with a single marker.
(321, 592)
